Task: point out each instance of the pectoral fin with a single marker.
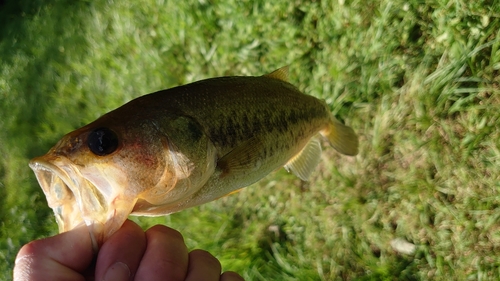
(242, 159)
(304, 163)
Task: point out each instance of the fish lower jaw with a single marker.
(69, 195)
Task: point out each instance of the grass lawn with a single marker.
(418, 80)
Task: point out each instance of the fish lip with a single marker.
(63, 186)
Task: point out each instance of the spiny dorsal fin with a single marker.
(279, 74)
(304, 163)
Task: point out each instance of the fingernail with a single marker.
(117, 272)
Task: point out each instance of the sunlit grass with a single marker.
(418, 80)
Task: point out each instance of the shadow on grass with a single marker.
(13, 16)
(403, 268)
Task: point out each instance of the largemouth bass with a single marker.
(185, 146)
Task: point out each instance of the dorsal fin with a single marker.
(279, 74)
(304, 163)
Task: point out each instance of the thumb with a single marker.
(60, 257)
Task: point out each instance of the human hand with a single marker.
(130, 254)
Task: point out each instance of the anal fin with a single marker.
(304, 163)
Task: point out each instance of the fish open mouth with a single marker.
(73, 199)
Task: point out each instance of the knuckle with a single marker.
(206, 257)
(231, 276)
(166, 232)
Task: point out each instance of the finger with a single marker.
(60, 257)
(203, 266)
(121, 254)
(231, 276)
(166, 256)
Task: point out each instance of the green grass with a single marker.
(418, 80)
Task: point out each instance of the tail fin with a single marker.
(341, 137)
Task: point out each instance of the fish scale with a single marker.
(254, 100)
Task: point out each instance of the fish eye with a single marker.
(102, 141)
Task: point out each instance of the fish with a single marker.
(185, 146)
